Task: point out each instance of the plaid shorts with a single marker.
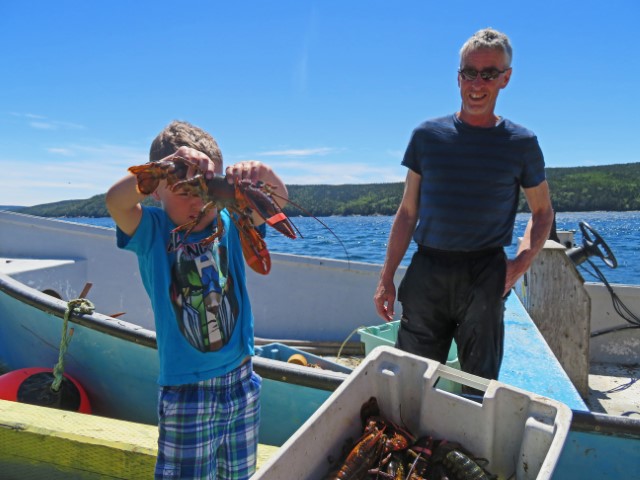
(209, 430)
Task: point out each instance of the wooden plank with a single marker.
(71, 443)
(58, 444)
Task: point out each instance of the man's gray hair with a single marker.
(488, 38)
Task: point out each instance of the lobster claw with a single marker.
(254, 248)
(149, 175)
(260, 201)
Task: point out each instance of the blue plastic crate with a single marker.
(281, 352)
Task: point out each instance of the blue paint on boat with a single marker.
(600, 447)
(288, 407)
(529, 363)
(283, 406)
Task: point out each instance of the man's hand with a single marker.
(512, 276)
(384, 300)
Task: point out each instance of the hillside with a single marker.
(576, 189)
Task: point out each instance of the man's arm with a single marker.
(535, 235)
(401, 232)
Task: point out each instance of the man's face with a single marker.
(479, 95)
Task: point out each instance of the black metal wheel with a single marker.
(595, 245)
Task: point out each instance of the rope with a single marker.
(621, 309)
(347, 339)
(78, 306)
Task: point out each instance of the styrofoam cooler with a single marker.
(519, 432)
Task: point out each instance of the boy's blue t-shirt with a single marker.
(204, 323)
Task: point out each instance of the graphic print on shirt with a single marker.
(202, 293)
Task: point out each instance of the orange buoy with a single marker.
(33, 386)
(298, 359)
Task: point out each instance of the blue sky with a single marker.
(327, 92)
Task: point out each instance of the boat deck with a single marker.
(614, 389)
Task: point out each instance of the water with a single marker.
(365, 238)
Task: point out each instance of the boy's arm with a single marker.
(123, 198)
(123, 202)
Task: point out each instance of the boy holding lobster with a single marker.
(208, 404)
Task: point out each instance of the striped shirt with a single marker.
(471, 179)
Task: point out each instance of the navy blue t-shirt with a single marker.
(471, 178)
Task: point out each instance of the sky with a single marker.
(326, 92)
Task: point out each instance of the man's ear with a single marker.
(506, 77)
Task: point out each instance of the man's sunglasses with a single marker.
(488, 74)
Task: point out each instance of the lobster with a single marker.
(452, 460)
(389, 452)
(240, 199)
(380, 441)
(363, 456)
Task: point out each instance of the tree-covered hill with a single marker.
(610, 188)
(575, 189)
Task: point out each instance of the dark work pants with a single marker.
(455, 295)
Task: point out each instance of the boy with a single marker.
(209, 395)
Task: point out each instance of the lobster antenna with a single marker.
(304, 210)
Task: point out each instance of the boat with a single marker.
(314, 305)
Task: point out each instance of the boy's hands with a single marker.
(255, 172)
(251, 170)
(201, 162)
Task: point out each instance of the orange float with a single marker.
(33, 386)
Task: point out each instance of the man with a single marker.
(462, 187)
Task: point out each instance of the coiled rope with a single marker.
(79, 306)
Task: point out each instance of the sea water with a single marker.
(364, 239)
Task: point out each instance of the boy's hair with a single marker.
(488, 38)
(182, 134)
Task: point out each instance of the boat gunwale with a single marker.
(601, 423)
(94, 321)
(265, 367)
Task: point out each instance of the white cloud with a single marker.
(42, 125)
(396, 153)
(60, 151)
(56, 125)
(41, 122)
(301, 152)
(90, 171)
(299, 173)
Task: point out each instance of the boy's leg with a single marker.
(186, 443)
(238, 453)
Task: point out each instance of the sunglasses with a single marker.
(488, 74)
